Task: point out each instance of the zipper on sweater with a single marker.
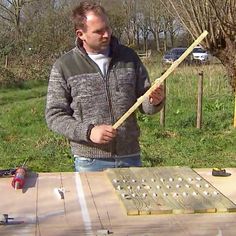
(113, 151)
(105, 78)
(116, 81)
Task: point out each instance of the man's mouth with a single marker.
(105, 42)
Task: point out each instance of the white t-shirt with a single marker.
(102, 60)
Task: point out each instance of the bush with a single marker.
(8, 78)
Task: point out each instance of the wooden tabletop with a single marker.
(89, 205)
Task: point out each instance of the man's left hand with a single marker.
(157, 95)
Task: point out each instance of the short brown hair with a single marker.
(79, 13)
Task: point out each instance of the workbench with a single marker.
(88, 205)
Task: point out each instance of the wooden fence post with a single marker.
(163, 110)
(6, 62)
(235, 111)
(199, 100)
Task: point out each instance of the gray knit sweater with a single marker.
(79, 97)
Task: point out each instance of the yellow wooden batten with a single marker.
(160, 80)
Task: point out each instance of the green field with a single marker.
(24, 134)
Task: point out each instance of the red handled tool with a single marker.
(18, 181)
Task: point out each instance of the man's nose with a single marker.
(106, 34)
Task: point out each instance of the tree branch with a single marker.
(219, 17)
(10, 2)
(177, 13)
(7, 10)
(5, 18)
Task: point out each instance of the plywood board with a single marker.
(91, 204)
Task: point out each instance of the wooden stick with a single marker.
(160, 80)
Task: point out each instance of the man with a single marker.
(91, 87)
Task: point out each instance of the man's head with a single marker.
(92, 26)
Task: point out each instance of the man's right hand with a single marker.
(102, 134)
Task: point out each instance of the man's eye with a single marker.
(102, 31)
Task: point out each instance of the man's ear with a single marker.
(79, 33)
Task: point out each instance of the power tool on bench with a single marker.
(18, 174)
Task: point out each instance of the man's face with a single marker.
(97, 34)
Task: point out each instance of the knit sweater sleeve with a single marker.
(59, 115)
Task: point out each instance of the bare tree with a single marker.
(218, 17)
(158, 22)
(117, 16)
(10, 11)
(130, 7)
(54, 31)
(155, 23)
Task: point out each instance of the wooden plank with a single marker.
(166, 181)
(210, 193)
(117, 181)
(188, 196)
(50, 209)
(175, 189)
(102, 202)
(134, 185)
(105, 199)
(208, 197)
(18, 204)
(192, 194)
(137, 194)
(139, 191)
(177, 208)
(224, 185)
(72, 208)
(88, 208)
(147, 181)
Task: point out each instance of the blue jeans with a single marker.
(84, 164)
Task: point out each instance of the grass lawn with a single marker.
(24, 134)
